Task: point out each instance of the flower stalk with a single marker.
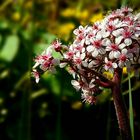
(120, 107)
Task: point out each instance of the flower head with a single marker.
(105, 46)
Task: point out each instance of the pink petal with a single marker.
(106, 67)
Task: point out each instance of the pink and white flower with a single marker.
(35, 74)
(96, 48)
(57, 45)
(79, 31)
(124, 59)
(109, 65)
(114, 48)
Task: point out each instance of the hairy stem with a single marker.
(120, 108)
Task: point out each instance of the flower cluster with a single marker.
(107, 45)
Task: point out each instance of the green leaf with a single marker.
(131, 108)
(39, 48)
(0, 39)
(3, 24)
(53, 82)
(10, 48)
(47, 39)
(104, 96)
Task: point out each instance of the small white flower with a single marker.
(55, 62)
(62, 65)
(84, 63)
(76, 84)
(124, 58)
(96, 48)
(36, 75)
(109, 65)
(79, 31)
(114, 49)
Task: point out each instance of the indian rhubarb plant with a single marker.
(108, 45)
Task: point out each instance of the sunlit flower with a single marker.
(125, 70)
(65, 30)
(108, 75)
(69, 12)
(96, 17)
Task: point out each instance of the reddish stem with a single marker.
(120, 107)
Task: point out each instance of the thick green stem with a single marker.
(120, 108)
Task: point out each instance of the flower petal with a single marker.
(75, 83)
(128, 41)
(117, 54)
(111, 55)
(83, 56)
(90, 48)
(118, 39)
(99, 35)
(102, 51)
(106, 42)
(95, 53)
(124, 51)
(117, 32)
(62, 65)
(121, 64)
(121, 46)
(114, 65)
(105, 34)
(106, 60)
(55, 62)
(84, 63)
(90, 65)
(106, 67)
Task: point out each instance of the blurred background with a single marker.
(52, 109)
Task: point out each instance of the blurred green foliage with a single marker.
(50, 110)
